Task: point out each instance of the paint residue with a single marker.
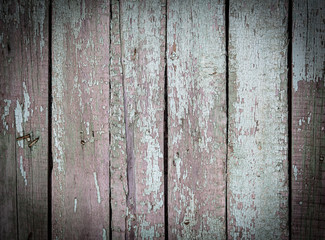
(22, 171)
(97, 187)
(6, 113)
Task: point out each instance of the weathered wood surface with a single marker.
(258, 120)
(308, 120)
(137, 81)
(23, 110)
(118, 154)
(196, 119)
(80, 118)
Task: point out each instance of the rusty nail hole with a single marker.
(83, 142)
(33, 142)
(187, 222)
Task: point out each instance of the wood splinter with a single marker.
(33, 142)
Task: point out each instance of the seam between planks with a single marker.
(109, 138)
(289, 96)
(131, 195)
(227, 111)
(166, 129)
(50, 156)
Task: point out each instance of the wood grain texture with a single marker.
(80, 118)
(137, 73)
(118, 154)
(258, 120)
(308, 120)
(196, 119)
(23, 110)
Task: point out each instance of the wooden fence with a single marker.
(159, 119)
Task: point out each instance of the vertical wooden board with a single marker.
(258, 120)
(80, 118)
(142, 46)
(118, 155)
(23, 110)
(196, 119)
(308, 120)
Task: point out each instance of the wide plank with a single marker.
(257, 201)
(80, 119)
(197, 121)
(24, 112)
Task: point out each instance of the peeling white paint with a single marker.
(5, 114)
(295, 172)
(38, 24)
(87, 128)
(178, 162)
(19, 123)
(196, 93)
(104, 234)
(304, 54)
(22, 171)
(41, 109)
(97, 187)
(26, 103)
(258, 118)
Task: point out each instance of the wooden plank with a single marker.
(258, 120)
(80, 118)
(118, 155)
(23, 110)
(196, 119)
(139, 78)
(308, 120)
(23, 87)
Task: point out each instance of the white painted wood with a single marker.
(258, 120)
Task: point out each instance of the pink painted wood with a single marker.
(137, 80)
(308, 120)
(80, 119)
(258, 120)
(23, 111)
(196, 119)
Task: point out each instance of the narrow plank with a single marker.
(139, 79)
(308, 120)
(196, 119)
(23, 110)
(80, 118)
(258, 120)
(118, 155)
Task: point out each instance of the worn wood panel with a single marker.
(80, 118)
(308, 120)
(23, 110)
(118, 154)
(137, 74)
(196, 119)
(258, 120)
